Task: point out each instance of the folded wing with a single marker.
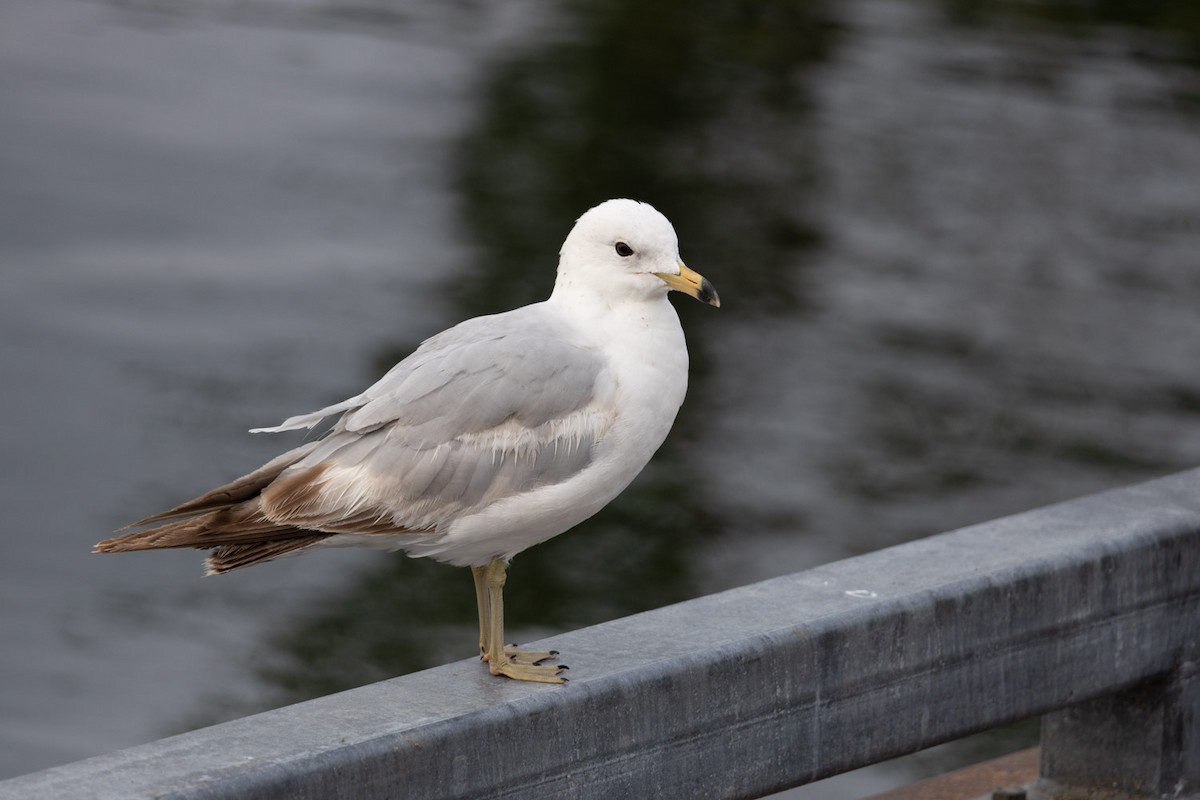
(480, 413)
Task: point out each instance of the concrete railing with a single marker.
(1086, 612)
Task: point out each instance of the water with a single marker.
(956, 244)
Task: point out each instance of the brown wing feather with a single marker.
(235, 556)
(231, 520)
(297, 500)
(242, 524)
(244, 488)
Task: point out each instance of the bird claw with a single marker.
(532, 657)
(538, 673)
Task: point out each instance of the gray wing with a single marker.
(491, 408)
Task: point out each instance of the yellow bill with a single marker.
(691, 283)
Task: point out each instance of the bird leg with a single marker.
(481, 601)
(484, 604)
(502, 659)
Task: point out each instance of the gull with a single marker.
(492, 436)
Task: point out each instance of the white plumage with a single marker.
(493, 436)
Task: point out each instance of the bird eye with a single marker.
(624, 250)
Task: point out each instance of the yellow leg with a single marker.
(521, 665)
(481, 601)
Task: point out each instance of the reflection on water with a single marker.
(1092, 21)
(955, 242)
(699, 106)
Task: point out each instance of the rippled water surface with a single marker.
(958, 246)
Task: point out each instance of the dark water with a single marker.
(958, 246)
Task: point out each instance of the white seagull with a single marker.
(493, 436)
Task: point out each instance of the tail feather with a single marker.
(229, 557)
(229, 521)
(226, 526)
(237, 537)
(256, 518)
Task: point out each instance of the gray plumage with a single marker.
(492, 436)
(486, 410)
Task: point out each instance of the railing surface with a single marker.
(1088, 611)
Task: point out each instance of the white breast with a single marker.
(649, 365)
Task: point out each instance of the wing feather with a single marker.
(481, 412)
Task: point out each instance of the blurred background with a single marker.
(957, 243)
